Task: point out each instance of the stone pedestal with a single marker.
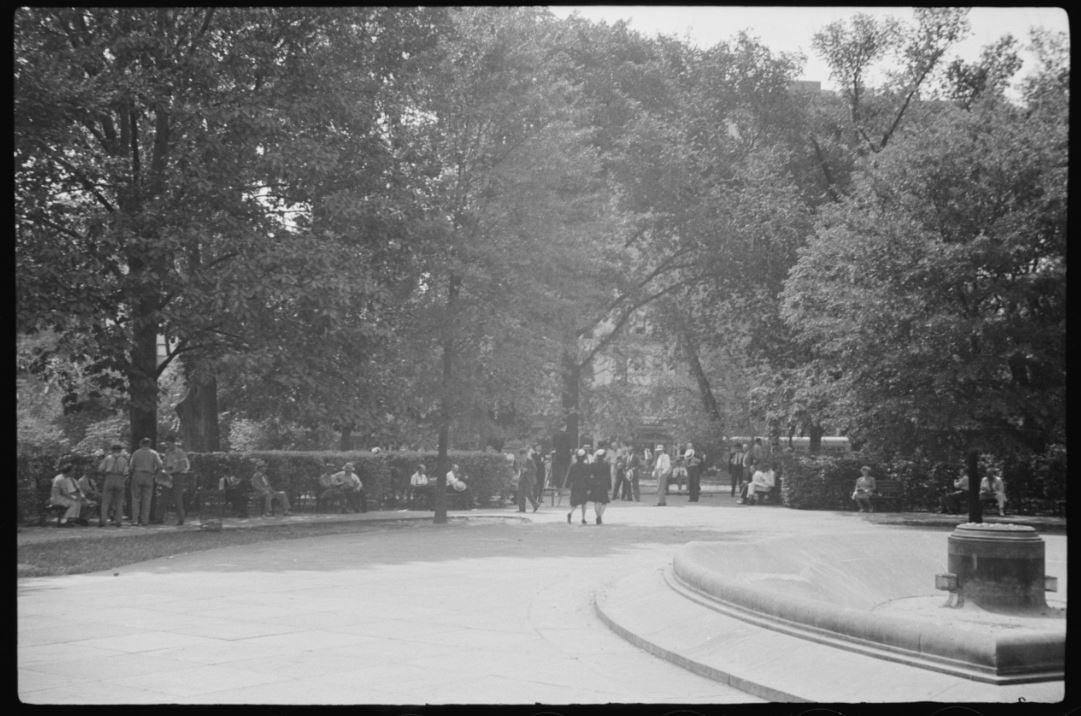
(998, 566)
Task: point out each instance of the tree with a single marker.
(159, 154)
(934, 297)
(512, 190)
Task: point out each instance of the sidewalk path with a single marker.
(488, 609)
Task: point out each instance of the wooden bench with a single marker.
(888, 493)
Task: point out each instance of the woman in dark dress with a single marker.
(600, 484)
(578, 479)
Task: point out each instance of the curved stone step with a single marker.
(646, 610)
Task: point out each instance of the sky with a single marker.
(789, 29)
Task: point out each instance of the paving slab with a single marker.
(492, 608)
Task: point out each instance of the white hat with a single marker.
(659, 447)
(581, 452)
(600, 452)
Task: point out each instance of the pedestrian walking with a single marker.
(600, 483)
(526, 470)
(578, 479)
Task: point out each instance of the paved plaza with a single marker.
(493, 608)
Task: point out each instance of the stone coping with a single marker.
(779, 593)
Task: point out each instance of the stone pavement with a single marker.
(493, 608)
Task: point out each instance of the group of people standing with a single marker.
(155, 479)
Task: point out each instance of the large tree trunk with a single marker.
(143, 373)
(198, 413)
(572, 378)
(345, 443)
(814, 432)
(705, 391)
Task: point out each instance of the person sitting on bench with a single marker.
(994, 489)
(66, 493)
(761, 482)
(865, 489)
(457, 486)
(420, 489)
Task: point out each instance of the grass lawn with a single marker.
(91, 552)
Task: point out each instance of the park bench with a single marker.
(551, 493)
(888, 493)
(49, 511)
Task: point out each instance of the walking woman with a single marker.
(578, 479)
(600, 484)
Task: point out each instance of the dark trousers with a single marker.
(527, 490)
(736, 473)
(694, 483)
(622, 490)
(357, 500)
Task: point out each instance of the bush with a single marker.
(818, 482)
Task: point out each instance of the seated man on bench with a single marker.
(457, 487)
(420, 489)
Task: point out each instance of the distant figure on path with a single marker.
(679, 474)
(693, 462)
(735, 467)
(600, 483)
(578, 479)
(662, 470)
(526, 470)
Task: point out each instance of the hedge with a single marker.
(820, 482)
(385, 475)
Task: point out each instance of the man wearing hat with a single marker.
(114, 471)
(662, 468)
(145, 465)
(177, 467)
(349, 483)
